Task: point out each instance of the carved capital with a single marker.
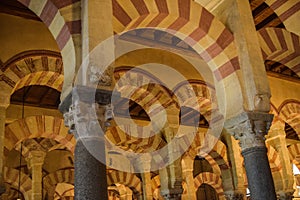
(250, 128)
(35, 158)
(88, 117)
(69, 119)
(100, 76)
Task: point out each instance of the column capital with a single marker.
(87, 112)
(250, 128)
(88, 117)
(35, 158)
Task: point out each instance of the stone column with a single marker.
(145, 168)
(255, 87)
(296, 187)
(35, 162)
(250, 128)
(187, 174)
(2, 135)
(236, 160)
(88, 121)
(171, 182)
(276, 138)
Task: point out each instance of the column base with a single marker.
(234, 196)
(172, 194)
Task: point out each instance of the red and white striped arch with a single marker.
(281, 46)
(60, 176)
(294, 152)
(191, 22)
(11, 176)
(37, 126)
(289, 111)
(194, 25)
(211, 179)
(34, 67)
(284, 9)
(63, 19)
(143, 143)
(127, 179)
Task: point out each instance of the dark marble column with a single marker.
(250, 129)
(90, 173)
(87, 119)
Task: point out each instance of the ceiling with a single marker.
(263, 16)
(46, 97)
(35, 95)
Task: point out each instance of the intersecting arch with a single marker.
(63, 33)
(281, 46)
(38, 126)
(194, 25)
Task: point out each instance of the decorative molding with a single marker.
(85, 114)
(26, 54)
(250, 128)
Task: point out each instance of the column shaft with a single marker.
(276, 138)
(260, 181)
(37, 182)
(188, 177)
(250, 129)
(171, 181)
(2, 135)
(90, 173)
(256, 89)
(35, 164)
(147, 190)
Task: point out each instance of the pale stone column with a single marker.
(297, 190)
(171, 182)
(254, 80)
(250, 129)
(171, 176)
(35, 162)
(276, 138)
(147, 190)
(236, 160)
(3, 107)
(145, 167)
(187, 174)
